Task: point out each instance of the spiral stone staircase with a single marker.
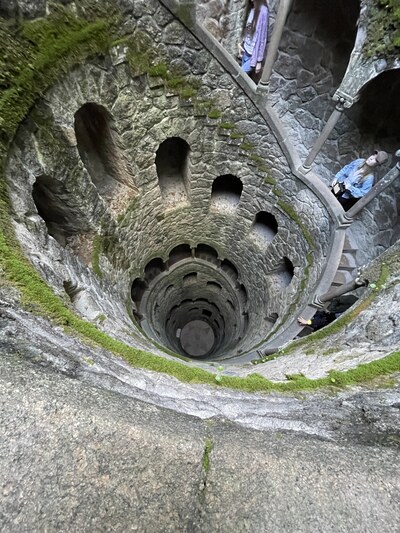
(162, 234)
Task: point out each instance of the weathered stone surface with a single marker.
(77, 455)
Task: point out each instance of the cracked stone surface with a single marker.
(74, 456)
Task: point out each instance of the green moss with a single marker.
(160, 69)
(288, 209)
(47, 48)
(226, 125)
(269, 181)
(263, 168)
(188, 92)
(246, 146)
(173, 82)
(383, 29)
(101, 318)
(256, 158)
(278, 192)
(214, 113)
(236, 135)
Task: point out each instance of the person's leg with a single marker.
(246, 59)
(347, 203)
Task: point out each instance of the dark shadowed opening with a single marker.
(183, 251)
(58, 209)
(265, 225)
(226, 192)
(97, 148)
(172, 159)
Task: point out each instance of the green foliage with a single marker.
(278, 192)
(246, 146)
(214, 113)
(160, 69)
(383, 29)
(226, 125)
(38, 54)
(236, 135)
(269, 181)
(144, 58)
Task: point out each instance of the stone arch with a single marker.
(97, 147)
(189, 279)
(313, 55)
(284, 272)
(172, 165)
(179, 253)
(376, 114)
(58, 208)
(207, 253)
(226, 192)
(230, 269)
(154, 269)
(138, 289)
(265, 226)
(214, 285)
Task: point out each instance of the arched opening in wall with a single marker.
(172, 165)
(207, 253)
(376, 115)
(214, 285)
(189, 279)
(179, 253)
(285, 272)
(99, 152)
(225, 193)
(265, 226)
(242, 295)
(137, 291)
(313, 55)
(168, 290)
(154, 269)
(272, 318)
(57, 207)
(229, 269)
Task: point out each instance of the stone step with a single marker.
(342, 277)
(347, 261)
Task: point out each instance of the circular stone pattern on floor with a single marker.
(197, 338)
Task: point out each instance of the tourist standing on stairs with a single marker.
(252, 46)
(356, 179)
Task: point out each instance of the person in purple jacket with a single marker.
(356, 179)
(252, 47)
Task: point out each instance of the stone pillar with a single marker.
(382, 184)
(341, 104)
(272, 50)
(319, 301)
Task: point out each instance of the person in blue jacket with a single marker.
(356, 179)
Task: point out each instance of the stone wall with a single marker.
(143, 113)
